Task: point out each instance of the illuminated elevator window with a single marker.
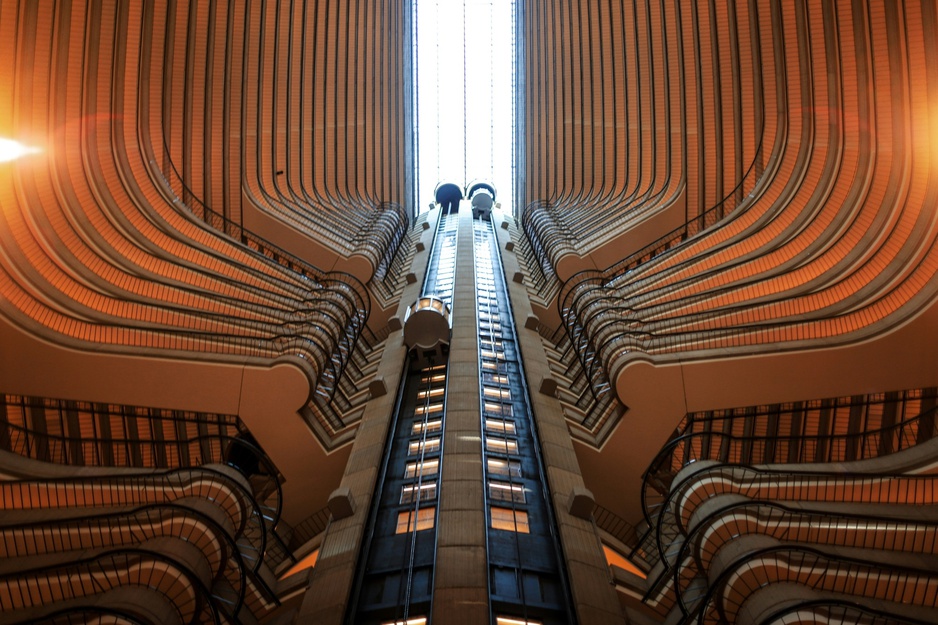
(502, 394)
(407, 522)
(426, 492)
(494, 378)
(497, 466)
(497, 425)
(510, 520)
(503, 491)
(428, 446)
(508, 620)
(490, 355)
(430, 409)
(502, 410)
(422, 468)
(433, 392)
(422, 620)
(436, 377)
(424, 520)
(494, 365)
(499, 445)
(434, 425)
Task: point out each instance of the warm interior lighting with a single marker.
(422, 468)
(613, 557)
(504, 620)
(510, 520)
(305, 563)
(422, 620)
(11, 150)
(408, 522)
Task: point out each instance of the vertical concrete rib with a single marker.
(460, 588)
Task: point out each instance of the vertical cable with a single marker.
(491, 98)
(417, 491)
(465, 108)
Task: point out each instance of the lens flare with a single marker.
(11, 150)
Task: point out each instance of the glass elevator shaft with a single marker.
(400, 566)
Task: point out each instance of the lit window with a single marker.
(497, 466)
(510, 520)
(427, 467)
(428, 446)
(504, 620)
(492, 355)
(433, 392)
(422, 620)
(424, 520)
(491, 392)
(503, 491)
(500, 445)
(434, 425)
(497, 425)
(503, 410)
(434, 377)
(427, 492)
(493, 378)
(430, 409)
(491, 365)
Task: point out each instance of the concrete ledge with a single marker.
(341, 504)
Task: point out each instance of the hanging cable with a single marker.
(417, 487)
(491, 97)
(439, 134)
(465, 91)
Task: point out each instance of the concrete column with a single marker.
(461, 582)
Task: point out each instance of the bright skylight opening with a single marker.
(465, 56)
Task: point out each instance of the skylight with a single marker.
(465, 57)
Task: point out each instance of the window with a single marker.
(499, 445)
(428, 410)
(491, 365)
(433, 392)
(429, 446)
(491, 392)
(503, 491)
(434, 425)
(424, 520)
(497, 425)
(426, 492)
(505, 620)
(510, 520)
(502, 410)
(494, 378)
(424, 468)
(497, 466)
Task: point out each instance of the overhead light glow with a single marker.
(465, 53)
(11, 150)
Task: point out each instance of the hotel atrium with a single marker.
(682, 368)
